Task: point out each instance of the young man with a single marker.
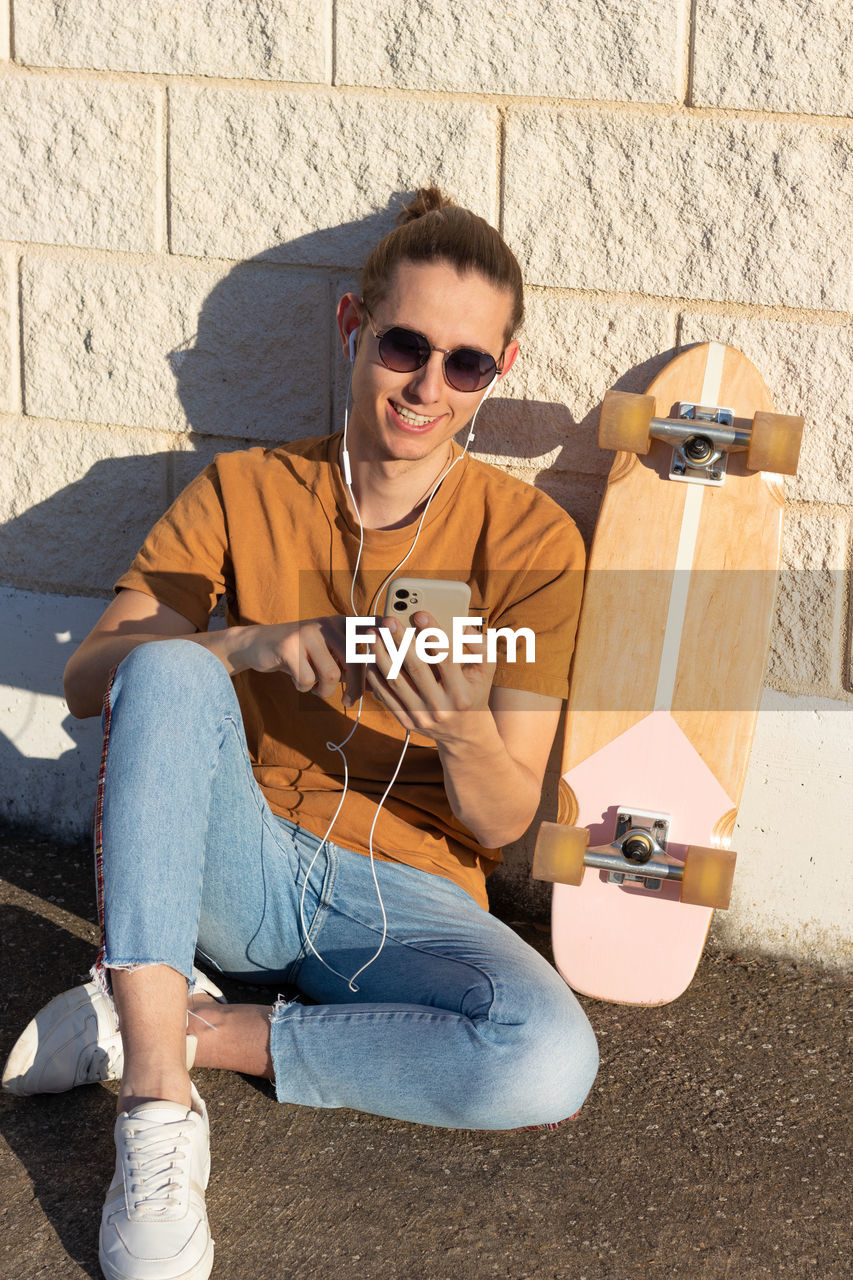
(242, 807)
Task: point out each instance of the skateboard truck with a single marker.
(702, 436)
(637, 855)
(640, 842)
(700, 451)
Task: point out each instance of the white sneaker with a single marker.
(154, 1224)
(73, 1040)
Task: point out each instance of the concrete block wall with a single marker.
(187, 190)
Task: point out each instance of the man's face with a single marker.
(410, 416)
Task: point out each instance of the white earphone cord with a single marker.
(333, 746)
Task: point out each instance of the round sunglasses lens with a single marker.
(403, 351)
(469, 370)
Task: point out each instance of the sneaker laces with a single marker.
(154, 1155)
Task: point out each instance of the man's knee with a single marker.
(560, 1059)
(159, 657)
(544, 1065)
(170, 669)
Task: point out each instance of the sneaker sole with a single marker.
(200, 1271)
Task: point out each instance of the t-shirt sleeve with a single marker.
(543, 612)
(184, 562)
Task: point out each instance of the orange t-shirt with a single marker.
(270, 530)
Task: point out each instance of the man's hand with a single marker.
(312, 653)
(493, 743)
(445, 701)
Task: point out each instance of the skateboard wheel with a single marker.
(707, 879)
(559, 853)
(625, 422)
(774, 443)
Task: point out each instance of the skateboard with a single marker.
(668, 669)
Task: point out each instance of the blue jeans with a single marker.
(457, 1023)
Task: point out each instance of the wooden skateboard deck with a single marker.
(666, 682)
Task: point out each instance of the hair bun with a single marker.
(431, 228)
(425, 200)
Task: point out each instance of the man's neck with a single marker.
(392, 494)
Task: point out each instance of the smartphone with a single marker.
(444, 598)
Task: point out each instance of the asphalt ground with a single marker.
(714, 1144)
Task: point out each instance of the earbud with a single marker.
(352, 338)
(489, 389)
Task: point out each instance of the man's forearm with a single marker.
(489, 791)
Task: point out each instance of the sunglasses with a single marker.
(404, 351)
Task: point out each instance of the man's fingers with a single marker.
(319, 669)
(328, 680)
(352, 674)
(323, 682)
(387, 696)
(304, 676)
(396, 660)
(353, 684)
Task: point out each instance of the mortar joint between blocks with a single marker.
(332, 45)
(690, 15)
(500, 177)
(18, 356)
(163, 215)
(448, 96)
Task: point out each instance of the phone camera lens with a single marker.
(400, 606)
(401, 593)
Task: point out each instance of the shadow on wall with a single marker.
(254, 372)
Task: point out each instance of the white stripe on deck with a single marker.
(686, 548)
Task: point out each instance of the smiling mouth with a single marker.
(408, 416)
